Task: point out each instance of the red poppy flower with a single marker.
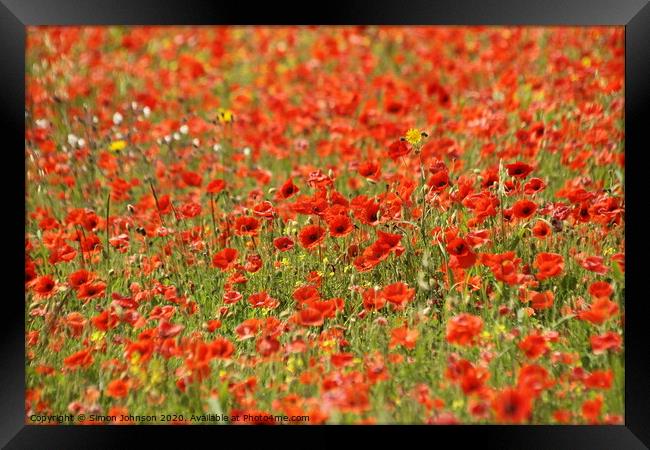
(106, 320)
(81, 359)
(192, 179)
(253, 263)
(439, 181)
(523, 209)
(504, 266)
(591, 409)
(43, 286)
(264, 209)
(541, 230)
(248, 328)
(190, 209)
(310, 317)
(599, 311)
(230, 297)
(267, 345)
(461, 254)
(607, 341)
(372, 299)
(288, 190)
(283, 243)
(534, 345)
(76, 322)
(342, 359)
(601, 289)
(403, 336)
(306, 294)
(117, 389)
(463, 329)
(213, 325)
(512, 406)
(534, 379)
(548, 265)
(370, 170)
(30, 270)
(470, 378)
(398, 294)
(599, 379)
(311, 235)
(225, 259)
(390, 241)
(167, 330)
(619, 258)
(91, 290)
(222, 348)
(263, 300)
(533, 186)
(246, 226)
(340, 226)
(78, 278)
(398, 149)
(562, 416)
(519, 169)
(216, 186)
(368, 214)
(593, 264)
(541, 300)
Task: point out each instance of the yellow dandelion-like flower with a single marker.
(97, 336)
(225, 115)
(117, 146)
(414, 136)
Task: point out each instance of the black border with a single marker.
(634, 14)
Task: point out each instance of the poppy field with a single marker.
(324, 225)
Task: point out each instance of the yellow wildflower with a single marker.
(414, 136)
(225, 115)
(97, 336)
(117, 146)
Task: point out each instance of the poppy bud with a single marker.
(557, 225)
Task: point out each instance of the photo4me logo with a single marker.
(248, 418)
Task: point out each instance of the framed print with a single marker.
(386, 218)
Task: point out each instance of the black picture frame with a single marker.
(15, 15)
